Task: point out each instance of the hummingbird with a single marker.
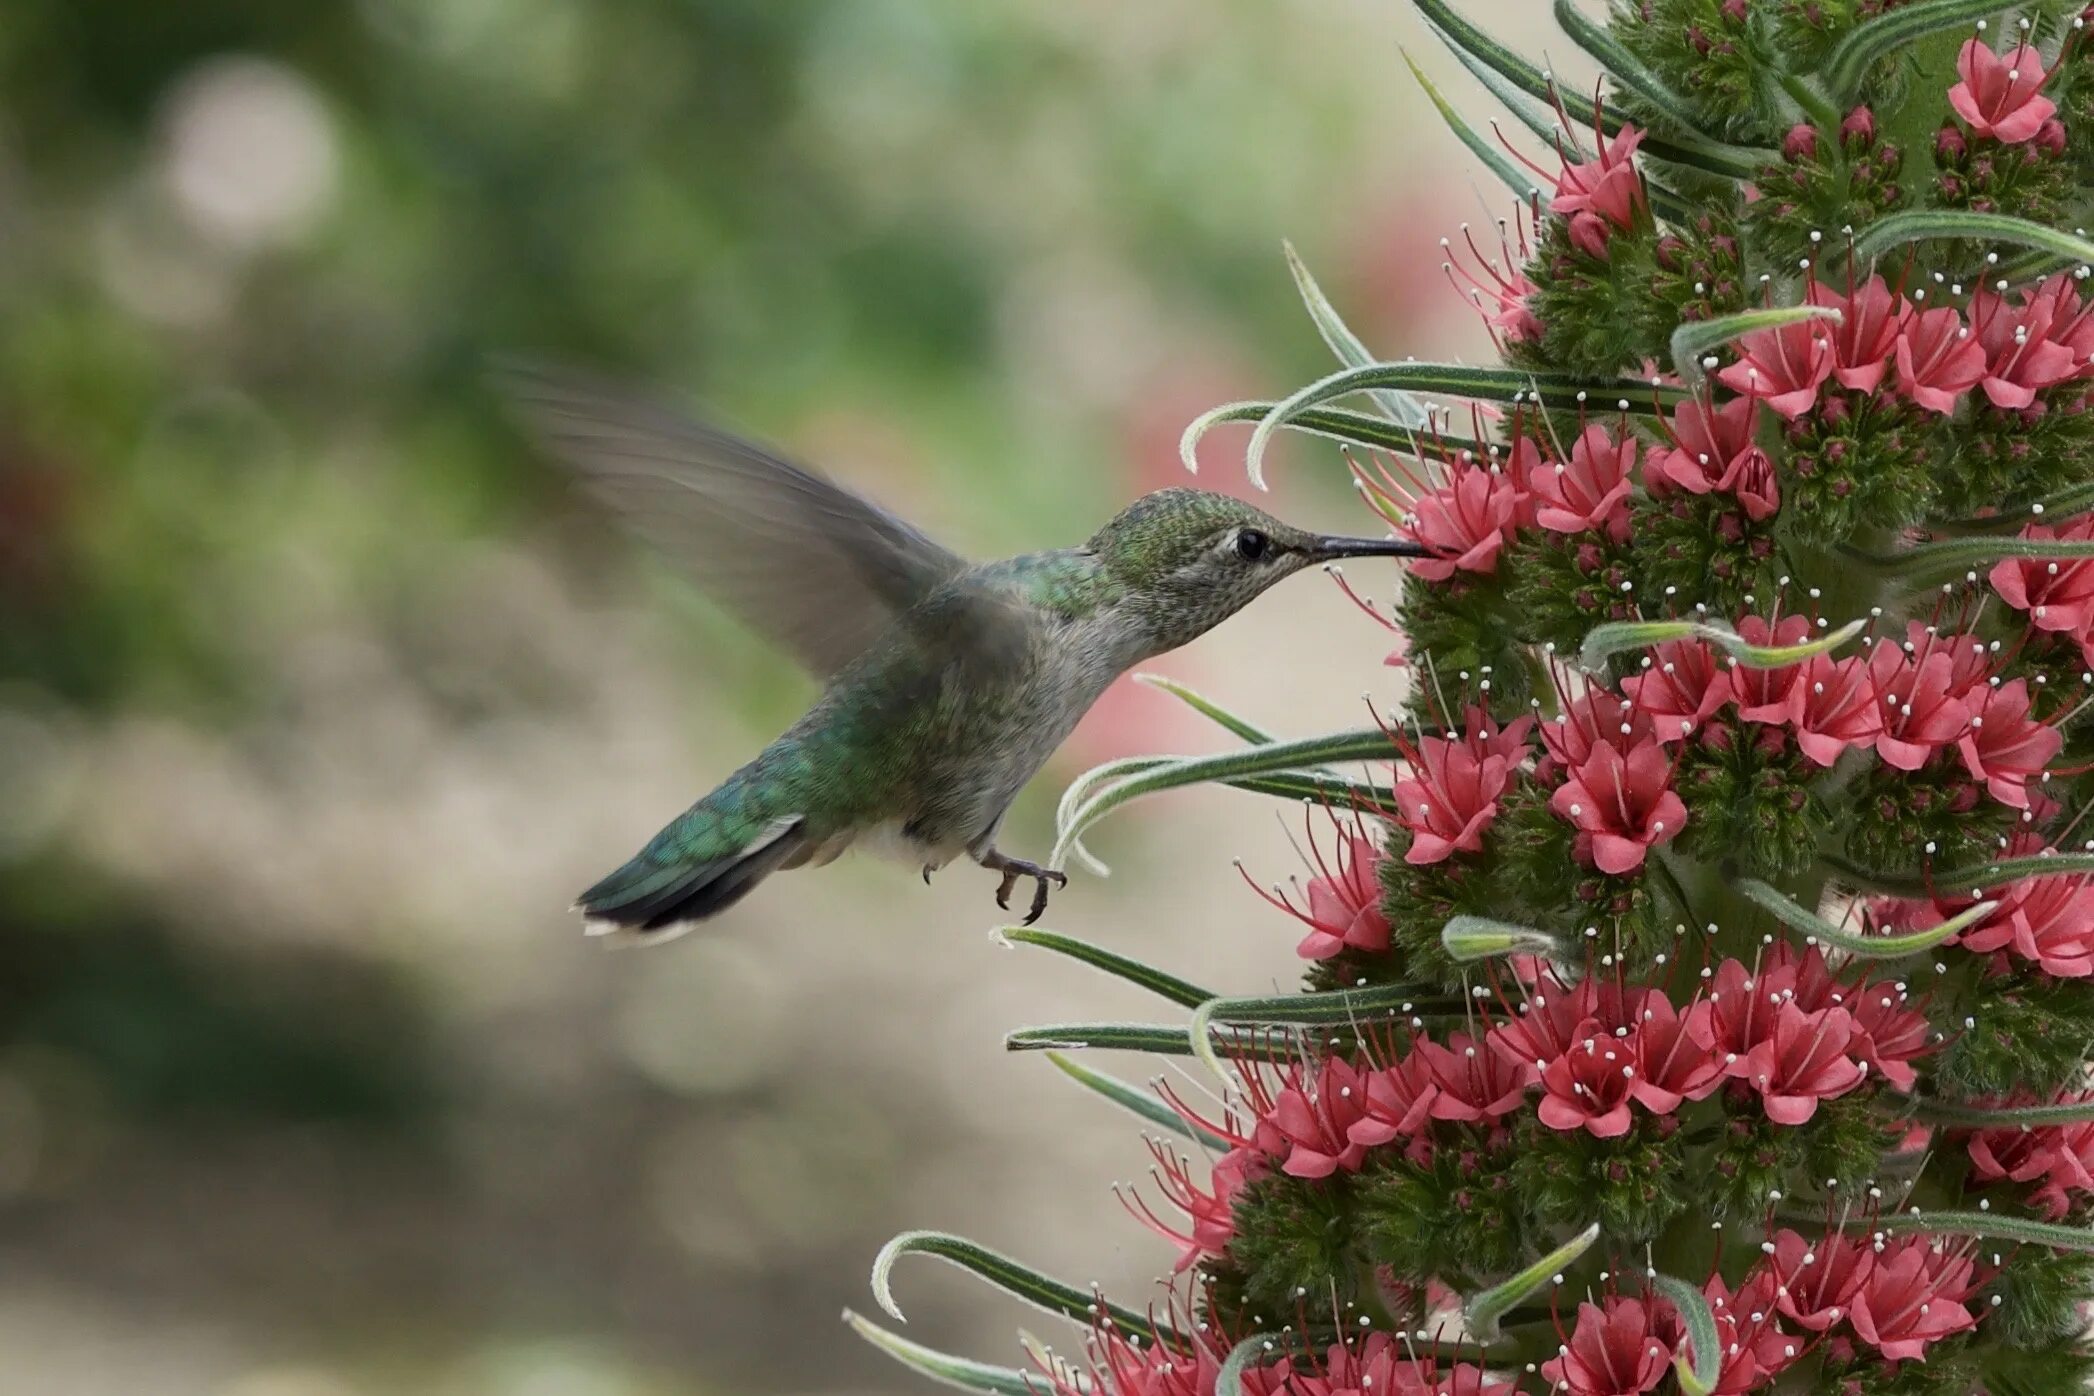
(947, 684)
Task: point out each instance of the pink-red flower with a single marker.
(1803, 1061)
(1210, 1212)
(1754, 1348)
(1399, 1101)
(1784, 367)
(2022, 358)
(1917, 701)
(1939, 359)
(1591, 491)
(1715, 449)
(1308, 1127)
(1588, 1087)
(2001, 97)
(1615, 1350)
(1679, 688)
(1871, 319)
(1621, 804)
(2005, 746)
(2048, 921)
(1450, 798)
(1673, 1062)
(1603, 194)
(1467, 521)
(1345, 902)
(1475, 1085)
(2061, 1157)
(1596, 717)
(1838, 708)
(2057, 593)
(1771, 696)
(1815, 1282)
(1379, 1366)
(1913, 1296)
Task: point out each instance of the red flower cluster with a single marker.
(1452, 793)
(1379, 1366)
(1897, 1295)
(1616, 779)
(1626, 1346)
(1210, 1212)
(2046, 921)
(2058, 1157)
(1594, 1048)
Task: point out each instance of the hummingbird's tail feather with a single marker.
(671, 885)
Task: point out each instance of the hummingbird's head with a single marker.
(1189, 559)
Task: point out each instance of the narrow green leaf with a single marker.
(1967, 553)
(1988, 1225)
(1694, 340)
(963, 1372)
(1853, 57)
(1521, 182)
(1369, 744)
(1679, 149)
(1241, 1358)
(1606, 641)
(1630, 72)
(1966, 881)
(1483, 1311)
(1467, 938)
(1207, 707)
(1943, 1112)
(1010, 1276)
(1699, 1375)
(1333, 424)
(1816, 928)
(1930, 225)
(2065, 504)
(1350, 349)
(1641, 398)
(1157, 1039)
(1363, 1004)
(1140, 1102)
(1156, 981)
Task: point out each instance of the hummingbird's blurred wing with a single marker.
(792, 554)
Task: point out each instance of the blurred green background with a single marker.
(320, 697)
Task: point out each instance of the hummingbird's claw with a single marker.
(1043, 878)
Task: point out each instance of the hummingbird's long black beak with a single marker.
(1331, 549)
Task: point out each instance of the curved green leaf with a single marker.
(1158, 1039)
(1467, 938)
(1334, 1006)
(1140, 1102)
(1990, 1225)
(1640, 398)
(1699, 1375)
(1630, 72)
(1695, 339)
(1519, 181)
(1483, 1311)
(2065, 504)
(1883, 947)
(1207, 707)
(1350, 349)
(1606, 641)
(1867, 43)
(1966, 553)
(1229, 1381)
(963, 1372)
(1929, 225)
(1943, 1112)
(1013, 1278)
(1331, 423)
(1156, 981)
(1369, 744)
(1971, 881)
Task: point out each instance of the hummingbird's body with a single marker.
(949, 685)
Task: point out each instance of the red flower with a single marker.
(1451, 798)
(1380, 1366)
(1307, 1127)
(2048, 921)
(2005, 747)
(1917, 701)
(1672, 1059)
(1754, 1349)
(2021, 357)
(1870, 321)
(1210, 1212)
(1679, 689)
(1815, 1284)
(1625, 804)
(1838, 709)
(1548, 1024)
(1714, 449)
(2001, 97)
(1803, 1061)
(1399, 1102)
(1889, 1035)
(1603, 194)
(1613, 1351)
(1466, 521)
(1772, 696)
(1595, 718)
(1785, 366)
(2058, 593)
(1740, 1017)
(1588, 1086)
(1592, 491)
(2061, 1155)
(1475, 1084)
(1913, 1296)
(1939, 359)
(1345, 902)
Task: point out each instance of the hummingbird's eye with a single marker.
(1253, 546)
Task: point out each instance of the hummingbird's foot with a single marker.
(1015, 868)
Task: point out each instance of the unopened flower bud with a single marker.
(1859, 129)
(1949, 145)
(2050, 138)
(1800, 144)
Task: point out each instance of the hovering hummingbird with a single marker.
(948, 684)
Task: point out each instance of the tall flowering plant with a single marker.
(1699, 987)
